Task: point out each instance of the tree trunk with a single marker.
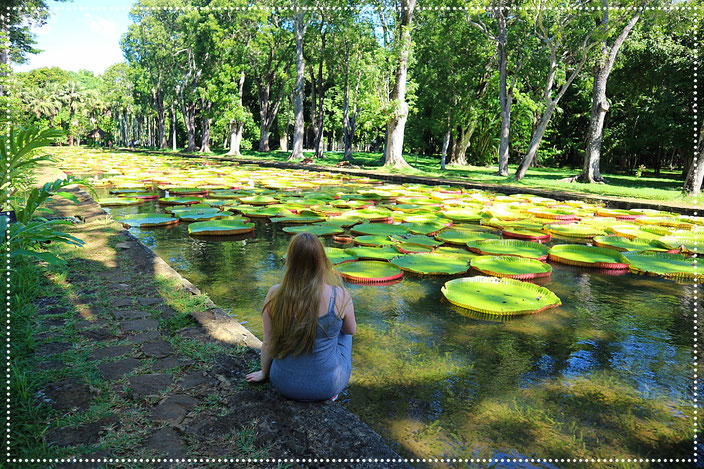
(459, 149)
(173, 126)
(695, 174)
(600, 105)
(505, 96)
(445, 145)
(283, 139)
(535, 141)
(299, 31)
(236, 127)
(158, 97)
(189, 117)
(393, 150)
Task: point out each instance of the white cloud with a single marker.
(100, 25)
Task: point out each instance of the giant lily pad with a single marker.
(147, 220)
(306, 216)
(417, 239)
(519, 268)
(687, 244)
(501, 296)
(674, 266)
(119, 201)
(258, 200)
(509, 247)
(266, 212)
(574, 230)
(180, 200)
(373, 240)
(339, 256)
(588, 256)
(431, 264)
(529, 235)
(204, 214)
(383, 229)
(317, 230)
(463, 215)
(455, 236)
(455, 252)
(369, 271)
(220, 227)
(380, 253)
(429, 228)
(621, 244)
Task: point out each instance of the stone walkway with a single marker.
(139, 365)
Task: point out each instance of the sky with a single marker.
(81, 34)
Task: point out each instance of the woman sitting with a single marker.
(308, 326)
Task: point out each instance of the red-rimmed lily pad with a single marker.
(339, 256)
(499, 296)
(431, 264)
(383, 253)
(519, 268)
(509, 247)
(588, 256)
(674, 266)
(373, 240)
(574, 230)
(369, 271)
(384, 229)
(120, 201)
(317, 230)
(529, 235)
(220, 228)
(621, 244)
(455, 236)
(429, 228)
(145, 220)
(180, 200)
(202, 214)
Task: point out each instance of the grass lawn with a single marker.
(666, 187)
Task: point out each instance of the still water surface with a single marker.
(606, 375)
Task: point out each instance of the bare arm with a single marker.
(266, 359)
(349, 323)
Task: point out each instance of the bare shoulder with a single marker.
(272, 290)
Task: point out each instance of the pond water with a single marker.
(606, 375)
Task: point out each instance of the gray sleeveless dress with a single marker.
(321, 374)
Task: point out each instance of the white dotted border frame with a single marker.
(695, 50)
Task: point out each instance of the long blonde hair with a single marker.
(294, 307)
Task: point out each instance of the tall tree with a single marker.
(600, 105)
(301, 20)
(555, 28)
(395, 127)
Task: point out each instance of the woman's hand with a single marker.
(256, 377)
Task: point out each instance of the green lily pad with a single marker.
(519, 268)
(220, 227)
(306, 216)
(201, 214)
(374, 240)
(370, 214)
(384, 229)
(462, 215)
(456, 252)
(317, 230)
(180, 200)
(380, 253)
(588, 256)
(266, 212)
(411, 248)
(424, 228)
(501, 296)
(574, 230)
(455, 236)
(338, 256)
(621, 244)
(369, 271)
(119, 201)
(431, 264)
(147, 220)
(687, 244)
(224, 194)
(417, 239)
(674, 266)
(509, 247)
(258, 200)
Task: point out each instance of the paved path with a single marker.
(143, 367)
